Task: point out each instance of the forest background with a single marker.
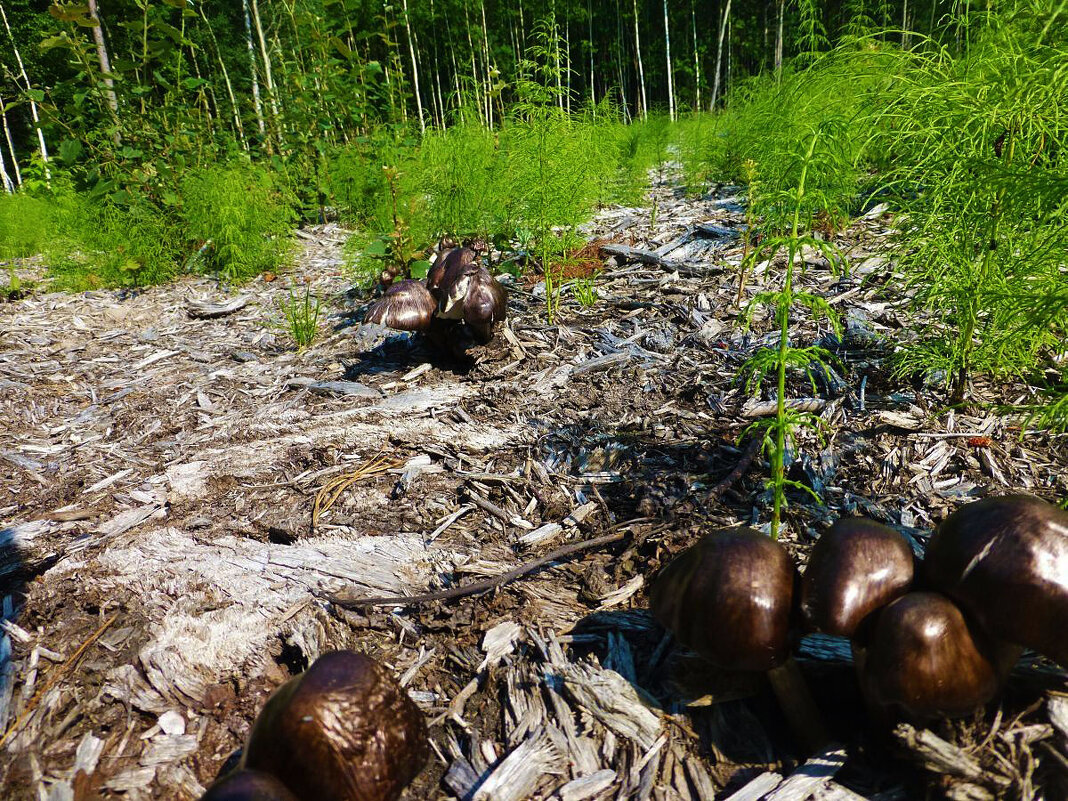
(143, 139)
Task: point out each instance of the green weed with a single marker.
(301, 317)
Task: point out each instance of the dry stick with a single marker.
(56, 675)
(493, 582)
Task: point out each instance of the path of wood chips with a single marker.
(161, 571)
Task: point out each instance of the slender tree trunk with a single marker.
(105, 66)
(593, 83)
(10, 143)
(488, 66)
(455, 67)
(33, 103)
(567, 54)
(272, 95)
(667, 48)
(778, 41)
(696, 61)
(719, 53)
(474, 67)
(437, 67)
(619, 62)
(556, 59)
(905, 25)
(638, 51)
(254, 72)
(415, 68)
(239, 129)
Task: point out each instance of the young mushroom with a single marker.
(730, 598)
(855, 568)
(406, 306)
(343, 730)
(1005, 560)
(925, 660)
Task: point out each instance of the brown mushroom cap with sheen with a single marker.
(248, 785)
(454, 260)
(730, 599)
(856, 567)
(925, 660)
(343, 730)
(486, 303)
(1005, 560)
(406, 306)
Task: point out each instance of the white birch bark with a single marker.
(778, 41)
(10, 143)
(102, 57)
(415, 68)
(488, 67)
(641, 70)
(593, 83)
(719, 54)
(272, 95)
(238, 127)
(696, 61)
(253, 71)
(667, 47)
(33, 103)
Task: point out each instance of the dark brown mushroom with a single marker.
(406, 306)
(856, 567)
(343, 730)
(455, 260)
(470, 293)
(924, 659)
(248, 785)
(730, 598)
(1005, 560)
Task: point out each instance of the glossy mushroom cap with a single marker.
(406, 305)
(730, 599)
(486, 303)
(248, 785)
(925, 660)
(343, 730)
(446, 270)
(1005, 560)
(855, 568)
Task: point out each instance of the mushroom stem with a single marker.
(798, 706)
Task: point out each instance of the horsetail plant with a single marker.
(774, 362)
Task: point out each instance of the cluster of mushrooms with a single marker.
(930, 639)
(459, 298)
(343, 730)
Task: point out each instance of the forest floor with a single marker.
(181, 494)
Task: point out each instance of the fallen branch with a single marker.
(485, 585)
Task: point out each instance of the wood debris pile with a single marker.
(182, 493)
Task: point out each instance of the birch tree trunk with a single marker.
(33, 103)
(567, 53)
(271, 93)
(415, 69)
(488, 67)
(667, 48)
(105, 66)
(696, 61)
(719, 53)
(10, 143)
(239, 129)
(641, 70)
(619, 62)
(254, 72)
(474, 67)
(778, 41)
(593, 84)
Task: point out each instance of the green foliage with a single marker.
(247, 213)
(301, 316)
(584, 291)
(25, 225)
(823, 151)
(978, 144)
